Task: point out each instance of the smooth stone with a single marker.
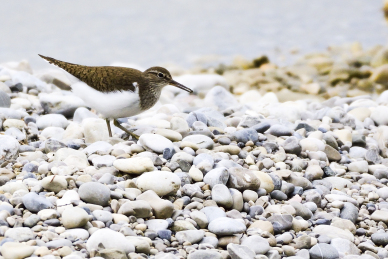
(195, 174)
(31, 221)
(262, 225)
(35, 203)
(201, 141)
(157, 224)
(162, 209)
(8, 149)
(331, 153)
(161, 182)
(281, 223)
(344, 247)
(323, 251)
(258, 244)
(139, 209)
(82, 113)
(182, 225)
(74, 217)
(291, 146)
(215, 176)
(98, 147)
(77, 233)
(192, 236)
(380, 215)
(21, 234)
(312, 144)
(222, 196)
(226, 226)
(266, 181)
(279, 130)
(213, 213)
(52, 120)
(301, 210)
(240, 251)
(95, 193)
(200, 218)
(230, 149)
(16, 133)
(13, 250)
(333, 232)
(94, 130)
(102, 215)
(14, 123)
(5, 100)
(378, 115)
(349, 211)
(103, 161)
(109, 239)
(380, 239)
(55, 183)
(243, 179)
(135, 165)
(245, 135)
(155, 143)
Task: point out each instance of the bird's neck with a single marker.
(149, 96)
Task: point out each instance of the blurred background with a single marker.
(185, 33)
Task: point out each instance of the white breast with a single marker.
(110, 105)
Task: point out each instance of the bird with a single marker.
(117, 92)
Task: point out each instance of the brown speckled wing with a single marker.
(104, 79)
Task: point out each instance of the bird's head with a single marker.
(160, 77)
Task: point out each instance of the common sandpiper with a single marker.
(117, 92)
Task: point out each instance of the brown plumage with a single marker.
(104, 78)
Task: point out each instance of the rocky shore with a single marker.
(260, 162)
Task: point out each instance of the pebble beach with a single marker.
(261, 162)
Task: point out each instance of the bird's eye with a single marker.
(160, 75)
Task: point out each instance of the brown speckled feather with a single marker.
(104, 78)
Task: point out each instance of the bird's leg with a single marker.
(108, 124)
(118, 125)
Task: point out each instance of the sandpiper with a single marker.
(117, 92)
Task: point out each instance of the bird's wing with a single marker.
(104, 79)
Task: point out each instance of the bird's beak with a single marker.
(175, 83)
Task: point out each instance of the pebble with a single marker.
(240, 251)
(324, 251)
(226, 226)
(52, 120)
(199, 141)
(135, 165)
(161, 182)
(109, 239)
(258, 244)
(95, 193)
(13, 250)
(155, 143)
(35, 203)
(74, 217)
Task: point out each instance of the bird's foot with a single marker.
(118, 125)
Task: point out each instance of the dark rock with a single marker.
(278, 195)
(327, 171)
(245, 135)
(291, 145)
(303, 125)
(261, 127)
(358, 140)
(350, 212)
(279, 130)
